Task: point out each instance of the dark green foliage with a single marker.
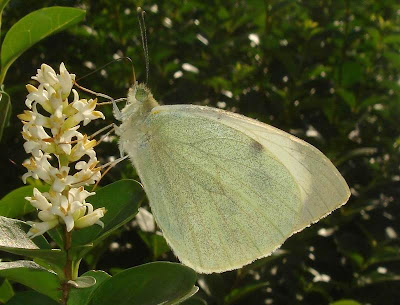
(330, 66)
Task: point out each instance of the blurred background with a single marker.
(327, 71)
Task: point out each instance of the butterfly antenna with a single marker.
(93, 92)
(111, 62)
(143, 34)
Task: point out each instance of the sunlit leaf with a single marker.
(13, 239)
(32, 275)
(33, 28)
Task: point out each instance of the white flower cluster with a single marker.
(51, 129)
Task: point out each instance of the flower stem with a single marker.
(67, 268)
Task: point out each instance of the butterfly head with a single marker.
(138, 93)
(140, 101)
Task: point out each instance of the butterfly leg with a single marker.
(108, 166)
(116, 112)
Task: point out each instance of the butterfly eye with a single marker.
(141, 95)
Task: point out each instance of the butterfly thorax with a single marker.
(139, 104)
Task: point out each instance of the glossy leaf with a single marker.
(148, 284)
(83, 295)
(31, 298)
(6, 291)
(194, 301)
(13, 239)
(183, 298)
(345, 302)
(83, 282)
(5, 111)
(33, 28)
(14, 204)
(3, 4)
(32, 275)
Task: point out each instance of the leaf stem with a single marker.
(67, 269)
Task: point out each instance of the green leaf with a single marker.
(351, 73)
(32, 275)
(121, 200)
(57, 235)
(348, 97)
(393, 57)
(148, 284)
(14, 204)
(194, 301)
(6, 291)
(84, 281)
(13, 235)
(3, 4)
(82, 296)
(155, 242)
(375, 277)
(34, 27)
(345, 302)
(383, 254)
(372, 100)
(5, 111)
(31, 298)
(392, 39)
(241, 292)
(13, 239)
(183, 298)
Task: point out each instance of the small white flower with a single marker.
(79, 194)
(55, 99)
(38, 200)
(47, 216)
(39, 95)
(88, 173)
(36, 140)
(61, 179)
(36, 132)
(65, 140)
(39, 228)
(38, 168)
(91, 219)
(66, 81)
(83, 147)
(57, 121)
(86, 112)
(46, 74)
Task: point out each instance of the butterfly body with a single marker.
(224, 189)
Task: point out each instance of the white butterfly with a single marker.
(224, 189)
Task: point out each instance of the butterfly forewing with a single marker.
(322, 187)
